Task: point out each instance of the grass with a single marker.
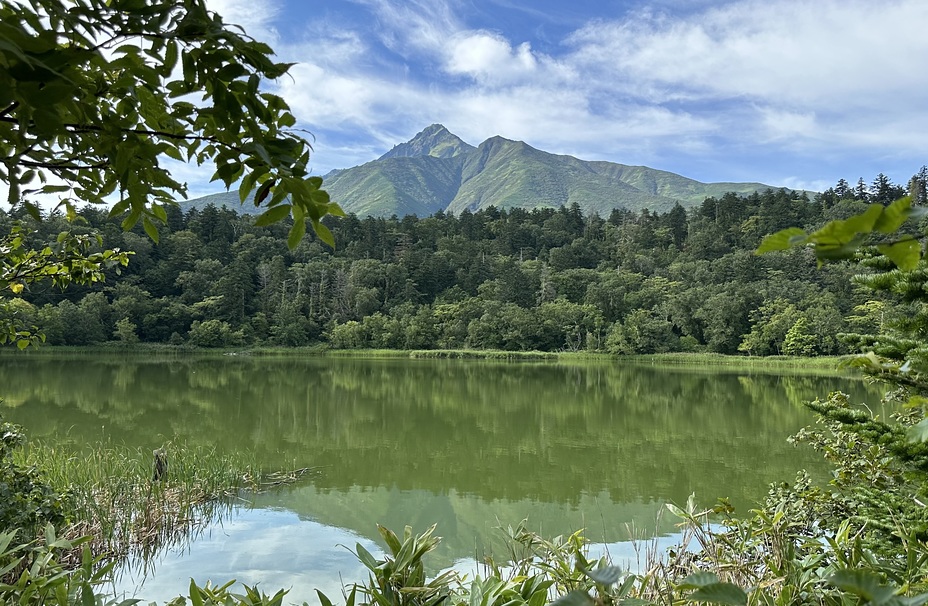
(829, 365)
(114, 498)
(822, 363)
(483, 354)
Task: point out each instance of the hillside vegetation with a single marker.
(517, 280)
(437, 171)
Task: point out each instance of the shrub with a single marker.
(27, 501)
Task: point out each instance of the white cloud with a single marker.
(256, 17)
(793, 50)
(789, 76)
(800, 81)
(837, 66)
(784, 125)
(489, 58)
(413, 26)
(797, 183)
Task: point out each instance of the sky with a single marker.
(790, 93)
(794, 93)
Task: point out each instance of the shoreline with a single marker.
(823, 364)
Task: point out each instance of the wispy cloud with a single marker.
(789, 92)
(849, 63)
(256, 18)
(659, 85)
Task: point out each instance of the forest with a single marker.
(546, 279)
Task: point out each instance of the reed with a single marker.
(483, 354)
(831, 365)
(115, 497)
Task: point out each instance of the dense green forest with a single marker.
(546, 279)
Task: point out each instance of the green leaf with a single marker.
(87, 597)
(894, 216)
(919, 432)
(719, 593)
(574, 598)
(323, 599)
(296, 234)
(390, 538)
(133, 218)
(151, 229)
(782, 240)
(837, 252)
(119, 208)
(190, 72)
(195, 598)
(54, 189)
(324, 233)
(273, 215)
(608, 575)
(863, 223)
(263, 192)
(230, 71)
(699, 579)
(915, 600)
(33, 210)
(158, 211)
(905, 254)
(365, 556)
(246, 187)
(170, 57)
(864, 584)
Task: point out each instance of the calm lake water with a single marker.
(469, 445)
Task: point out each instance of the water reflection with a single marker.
(247, 547)
(539, 431)
(467, 444)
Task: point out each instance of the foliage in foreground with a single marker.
(759, 560)
(107, 508)
(33, 573)
(95, 93)
(115, 499)
(27, 501)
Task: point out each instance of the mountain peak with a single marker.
(435, 140)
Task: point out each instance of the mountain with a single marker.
(435, 141)
(437, 171)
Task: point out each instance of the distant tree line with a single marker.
(546, 279)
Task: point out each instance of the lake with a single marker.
(469, 445)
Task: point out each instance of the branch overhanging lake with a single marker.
(841, 239)
(95, 93)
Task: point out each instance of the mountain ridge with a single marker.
(438, 171)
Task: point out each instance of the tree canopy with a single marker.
(96, 94)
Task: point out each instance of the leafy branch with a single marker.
(104, 122)
(842, 239)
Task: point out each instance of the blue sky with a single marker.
(795, 93)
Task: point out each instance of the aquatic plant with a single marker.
(117, 497)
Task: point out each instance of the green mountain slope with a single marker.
(434, 141)
(509, 174)
(401, 185)
(437, 171)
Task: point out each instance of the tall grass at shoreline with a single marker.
(113, 497)
(831, 364)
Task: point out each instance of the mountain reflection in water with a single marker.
(469, 445)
